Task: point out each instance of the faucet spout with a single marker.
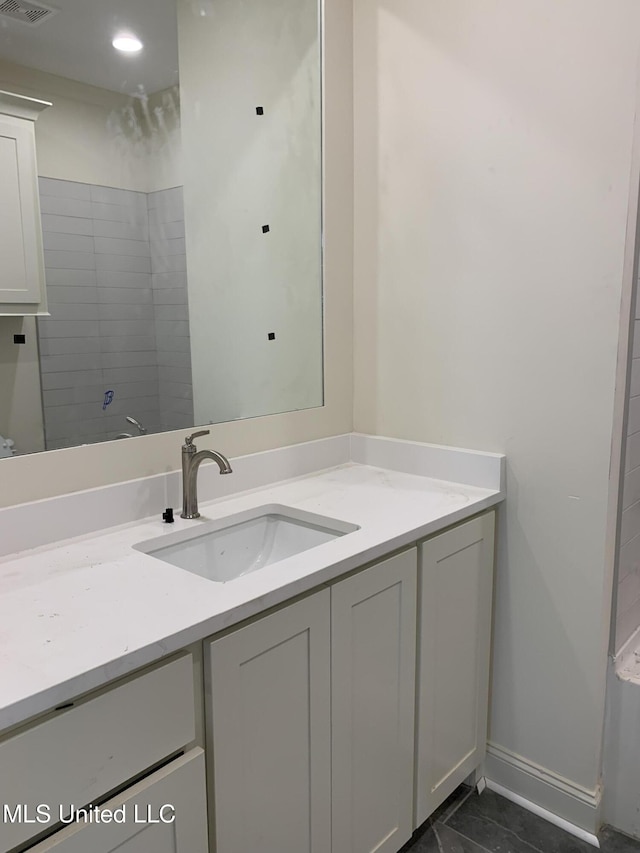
(192, 459)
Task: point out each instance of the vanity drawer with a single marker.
(83, 753)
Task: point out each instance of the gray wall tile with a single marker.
(60, 293)
(112, 246)
(125, 328)
(122, 263)
(63, 189)
(169, 263)
(71, 278)
(171, 312)
(70, 363)
(66, 207)
(115, 213)
(71, 380)
(69, 260)
(112, 317)
(174, 359)
(129, 359)
(52, 328)
(119, 343)
(109, 278)
(65, 346)
(129, 311)
(173, 280)
(113, 195)
(131, 374)
(66, 225)
(71, 311)
(125, 295)
(119, 230)
(67, 242)
(175, 328)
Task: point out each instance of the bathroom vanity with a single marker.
(327, 701)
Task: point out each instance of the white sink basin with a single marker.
(231, 547)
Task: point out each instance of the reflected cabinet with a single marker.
(22, 285)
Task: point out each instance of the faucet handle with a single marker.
(189, 438)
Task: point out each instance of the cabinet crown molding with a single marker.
(21, 106)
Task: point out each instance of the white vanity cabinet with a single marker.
(165, 813)
(22, 282)
(454, 639)
(269, 734)
(373, 654)
(76, 757)
(311, 715)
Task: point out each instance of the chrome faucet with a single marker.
(192, 458)
(141, 430)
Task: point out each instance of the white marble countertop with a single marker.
(75, 615)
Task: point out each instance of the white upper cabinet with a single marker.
(22, 283)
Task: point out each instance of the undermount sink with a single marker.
(237, 545)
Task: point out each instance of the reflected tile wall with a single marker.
(102, 335)
(171, 311)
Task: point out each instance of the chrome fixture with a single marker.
(141, 430)
(192, 458)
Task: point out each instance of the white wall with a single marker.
(494, 149)
(244, 171)
(62, 471)
(628, 589)
(86, 135)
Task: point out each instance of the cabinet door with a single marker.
(22, 276)
(373, 631)
(455, 593)
(268, 696)
(165, 813)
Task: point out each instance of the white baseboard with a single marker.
(556, 799)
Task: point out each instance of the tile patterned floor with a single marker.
(468, 823)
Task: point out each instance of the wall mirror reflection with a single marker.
(179, 190)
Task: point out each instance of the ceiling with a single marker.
(76, 42)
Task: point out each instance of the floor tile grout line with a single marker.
(455, 808)
(502, 826)
(439, 843)
(472, 840)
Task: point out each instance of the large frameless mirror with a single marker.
(179, 184)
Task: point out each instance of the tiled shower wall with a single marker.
(102, 334)
(170, 309)
(628, 602)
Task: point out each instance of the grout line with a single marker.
(435, 832)
(506, 829)
(455, 807)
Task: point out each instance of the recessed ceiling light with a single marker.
(127, 43)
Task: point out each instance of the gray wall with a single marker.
(101, 267)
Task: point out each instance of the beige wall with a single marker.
(494, 147)
(20, 397)
(86, 135)
(61, 471)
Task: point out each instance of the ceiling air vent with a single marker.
(31, 14)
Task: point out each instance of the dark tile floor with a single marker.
(487, 823)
